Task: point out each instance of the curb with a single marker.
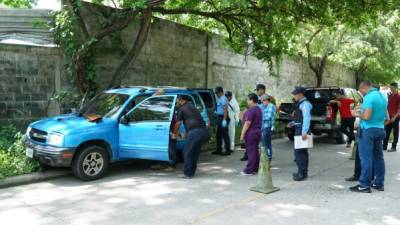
(32, 178)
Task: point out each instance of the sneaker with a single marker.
(183, 176)
(216, 152)
(225, 153)
(243, 159)
(392, 150)
(299, 177)
(246, 174)
(352, 178)
(348, 146)
(360, 189)
(378, 188)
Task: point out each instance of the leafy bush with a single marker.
(12, 154)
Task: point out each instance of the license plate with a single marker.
(29, 152)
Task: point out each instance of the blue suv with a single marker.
(117, 124)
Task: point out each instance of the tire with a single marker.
(91, 163)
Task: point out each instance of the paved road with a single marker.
(132, 194)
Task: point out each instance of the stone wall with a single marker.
(173, 55)
(28, 77)
(240, 74)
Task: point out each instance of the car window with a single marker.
(199, 104)
(207, 99)
(323, 94)
(134, 102)
(152, 109)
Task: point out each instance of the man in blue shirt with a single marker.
(222, 123)
(372, 114)
(301, 126)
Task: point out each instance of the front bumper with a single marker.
(49, 155)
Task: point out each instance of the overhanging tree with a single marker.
(261, 28)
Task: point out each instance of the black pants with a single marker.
(192, 149)
(301, 156)
(223, 134)
(347, 127)
(388, 129)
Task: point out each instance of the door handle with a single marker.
(159, 127)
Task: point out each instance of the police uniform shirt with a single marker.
(190, 116)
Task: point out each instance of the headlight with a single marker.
(55, 139)
(28, 130)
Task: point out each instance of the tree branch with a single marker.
(135, 50)
(308, 47)
(72, 6)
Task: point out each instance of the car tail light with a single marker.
(329, 112)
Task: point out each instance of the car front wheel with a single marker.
(91, 163)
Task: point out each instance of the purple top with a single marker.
(253, 114)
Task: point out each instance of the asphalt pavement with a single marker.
(134, 194)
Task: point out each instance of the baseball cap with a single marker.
(266, 97)
(298, 90)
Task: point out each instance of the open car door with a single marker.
(144, 131)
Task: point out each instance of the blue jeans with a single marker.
(266, 141)
(371, 155)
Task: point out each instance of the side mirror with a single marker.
(124, 120)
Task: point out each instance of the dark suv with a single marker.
(324, 116)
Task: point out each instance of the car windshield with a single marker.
(104, 105)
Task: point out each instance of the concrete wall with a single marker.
(28, 78)
(240, 74)
(173, 55)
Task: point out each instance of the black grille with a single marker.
(38, 135)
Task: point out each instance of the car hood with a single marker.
(64, 124)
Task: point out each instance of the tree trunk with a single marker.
(319, 75)
(134, 52)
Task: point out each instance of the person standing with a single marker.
(394, 112)
(196, 134)
(268, 122)
(372, 115)
(346, 118)
(260, 91)
(222, 123)
(251, 134)
(233, 113)
(301, 125)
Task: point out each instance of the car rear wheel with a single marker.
(91, 163)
